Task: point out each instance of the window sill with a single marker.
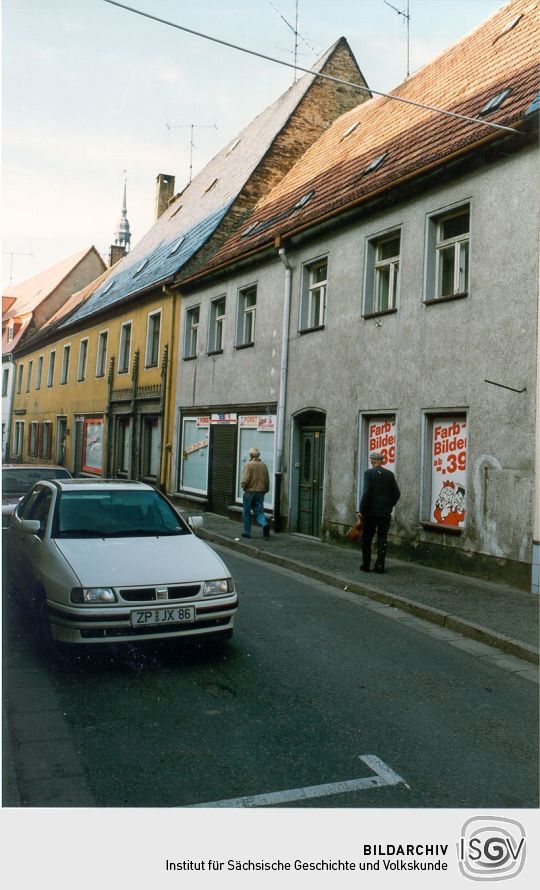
(442, 529)
(369, 315)
(214, 352)
(189, 358)
(153, 365)
(303, 331)
(244, 345)
(433, 300)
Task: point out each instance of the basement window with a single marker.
(375, 164)
(495, 102)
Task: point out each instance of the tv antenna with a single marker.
(11, 254)
(407, 16)
(192, 145)
(296, 32)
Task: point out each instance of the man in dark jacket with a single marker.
(379, 496)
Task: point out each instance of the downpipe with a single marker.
(280, 437)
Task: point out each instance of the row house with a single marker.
(26, 307)
(385, 295)
(97, 384)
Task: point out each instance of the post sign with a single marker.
(449, 470)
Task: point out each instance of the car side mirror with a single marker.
(195, 522)
(30, 526)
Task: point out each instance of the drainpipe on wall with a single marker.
(278, 470)
(535, 580)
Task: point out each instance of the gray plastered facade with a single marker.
(426, 359)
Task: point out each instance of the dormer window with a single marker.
(495, 102)
(143, 265)
(350, 130)
(177, 245)
(10, 332)
(375, 164)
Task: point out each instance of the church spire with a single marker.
(122, 236)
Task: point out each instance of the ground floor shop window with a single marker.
(446, 470)
(92, 445)
(194, 461)
(46, 440)
(256, 431)
(378, 432)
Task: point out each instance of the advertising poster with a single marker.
(382, 437)
(449, 471)
(93, 445)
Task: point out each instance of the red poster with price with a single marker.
(449, 471)
(382, 437)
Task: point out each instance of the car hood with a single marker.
(138, 562)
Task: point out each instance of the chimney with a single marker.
(164, 192)
(116, 252)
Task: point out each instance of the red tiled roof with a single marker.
(33, 291)
(494, 57)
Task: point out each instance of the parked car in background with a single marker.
(104, 561)
(17, 479)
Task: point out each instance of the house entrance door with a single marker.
(310, 488)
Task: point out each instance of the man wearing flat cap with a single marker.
(379, 496)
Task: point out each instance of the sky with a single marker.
(91, 90)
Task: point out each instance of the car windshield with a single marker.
(21, 479)
(115, 514)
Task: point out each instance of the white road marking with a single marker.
(385, 776)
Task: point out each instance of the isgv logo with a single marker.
(491, 848)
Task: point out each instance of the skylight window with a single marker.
(375, 164)
(177, 245)
(511, 24)
(350, 130)
(495, 102)
(305, 199)
(211, 186)
(233, 146)
(178, 209)
(107, 287)
(143, 265)
(250, 229)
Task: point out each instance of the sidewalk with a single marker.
(495, 614)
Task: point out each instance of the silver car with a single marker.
(110, 561)
(17, 479)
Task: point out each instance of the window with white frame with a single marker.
(83, 359)
(245, 324)
(101, 362)
(19, 379)
(125, 348)
(29, 375)
(64, 374)
(33, 439)
(194, 454)
(313, 299)
(215, 332)
(18, 438)
(444, 500)
(46, 440)
(152, 339)
(50, 369)
(381, 286)
(191, 331)
(448, 254)
(39, 372)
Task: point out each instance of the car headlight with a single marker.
(83, 595)
(218, 588)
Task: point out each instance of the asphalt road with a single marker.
(314, 679)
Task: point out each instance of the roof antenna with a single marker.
(191, 143)
(406, 15)
(11, 254)
(297, 35)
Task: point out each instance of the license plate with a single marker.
(174, 615)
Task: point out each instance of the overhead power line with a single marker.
(348, 83)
